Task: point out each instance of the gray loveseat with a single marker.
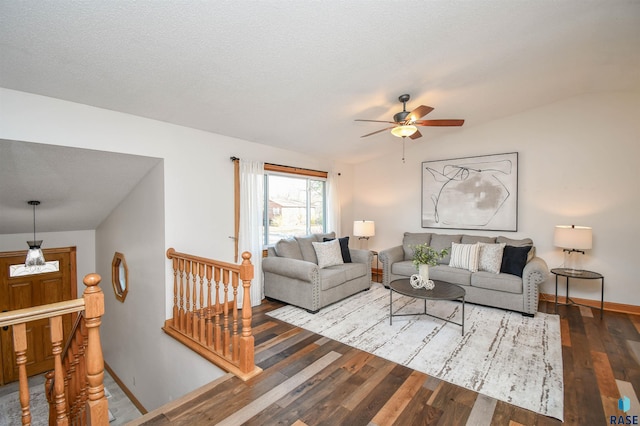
(292, 274)
(502, 290)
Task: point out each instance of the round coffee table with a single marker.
(442, 291)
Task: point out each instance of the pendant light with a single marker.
(35, 257)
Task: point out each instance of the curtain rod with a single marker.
(234, 158)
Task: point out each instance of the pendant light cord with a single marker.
(34, 222)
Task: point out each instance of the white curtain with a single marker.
(333, 203)
(251, 227)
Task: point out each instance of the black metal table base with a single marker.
(391, 314)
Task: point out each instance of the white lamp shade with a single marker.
(573, 237)
(364, 228)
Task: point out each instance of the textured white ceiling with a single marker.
(295, 74)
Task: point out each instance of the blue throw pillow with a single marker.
(344, 248)
(514, 259)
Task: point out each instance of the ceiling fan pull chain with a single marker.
(403, 148)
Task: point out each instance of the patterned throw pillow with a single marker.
(328, 253)
(464, 256)
(490, 257)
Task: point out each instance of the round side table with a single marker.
(583, 275)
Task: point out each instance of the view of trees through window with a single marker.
(295, 206)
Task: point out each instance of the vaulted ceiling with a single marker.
(295, 74)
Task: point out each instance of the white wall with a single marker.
(578, 164)
(84, 241)
(135, 228)
(198, 209)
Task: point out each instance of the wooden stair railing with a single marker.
(85, 376)
(205, 315)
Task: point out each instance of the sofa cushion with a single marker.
(464, 256)
(404, 267)
(337, 275)
(470, 239)
(288, 248)
(344, 248)
(413, 239)
(450, 275)
(306, 248)
(351, 270)
(490, 259)
(514, 259)
(501, 282)
(328, 253)
(515, 243)
(320, 237)
(528, 242)
(331, 277)
(443, 241)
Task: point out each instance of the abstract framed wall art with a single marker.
(471, 193)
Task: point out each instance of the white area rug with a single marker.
(502, 354)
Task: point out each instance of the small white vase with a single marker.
(423, 271)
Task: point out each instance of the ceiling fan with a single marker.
(405, 122)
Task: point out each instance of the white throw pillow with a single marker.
(464, 256)
(328, 253)
(490, 257)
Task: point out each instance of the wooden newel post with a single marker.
(97, 405)
(246, 339)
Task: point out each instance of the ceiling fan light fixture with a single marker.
(404, 131)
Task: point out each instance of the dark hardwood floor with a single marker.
(312, 380)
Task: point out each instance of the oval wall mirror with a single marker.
(120, 276)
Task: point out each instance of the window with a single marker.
(295, 205)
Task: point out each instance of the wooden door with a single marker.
(34, 290)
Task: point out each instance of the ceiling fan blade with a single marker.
(419, 112)
(439, 123)
(416, 135)
(377, 131)
(376, 121)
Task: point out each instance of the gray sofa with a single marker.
(292, 274)
(502, 290)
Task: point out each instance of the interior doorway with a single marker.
(28, 289)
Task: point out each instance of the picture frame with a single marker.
(471, 193)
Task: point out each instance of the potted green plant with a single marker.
(425, 256)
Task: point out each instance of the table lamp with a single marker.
(573, 240)
(364, 229)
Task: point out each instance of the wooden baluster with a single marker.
(187, 291)
(176, 318)
(20, 348)
(55, 324)
(97, 405)
(69, 383)
(235, 348)
(83, 341)
(48, 391)
(74, 385)
(202, 310)
(217, 330)
(182, 316)
(194, 312)
(226, 341)
(209, 309)
(246, 341)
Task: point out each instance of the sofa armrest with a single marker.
(388, 257)
(361, 256)
(293, 268)
(535, 272)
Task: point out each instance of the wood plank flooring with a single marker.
(311, 380)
